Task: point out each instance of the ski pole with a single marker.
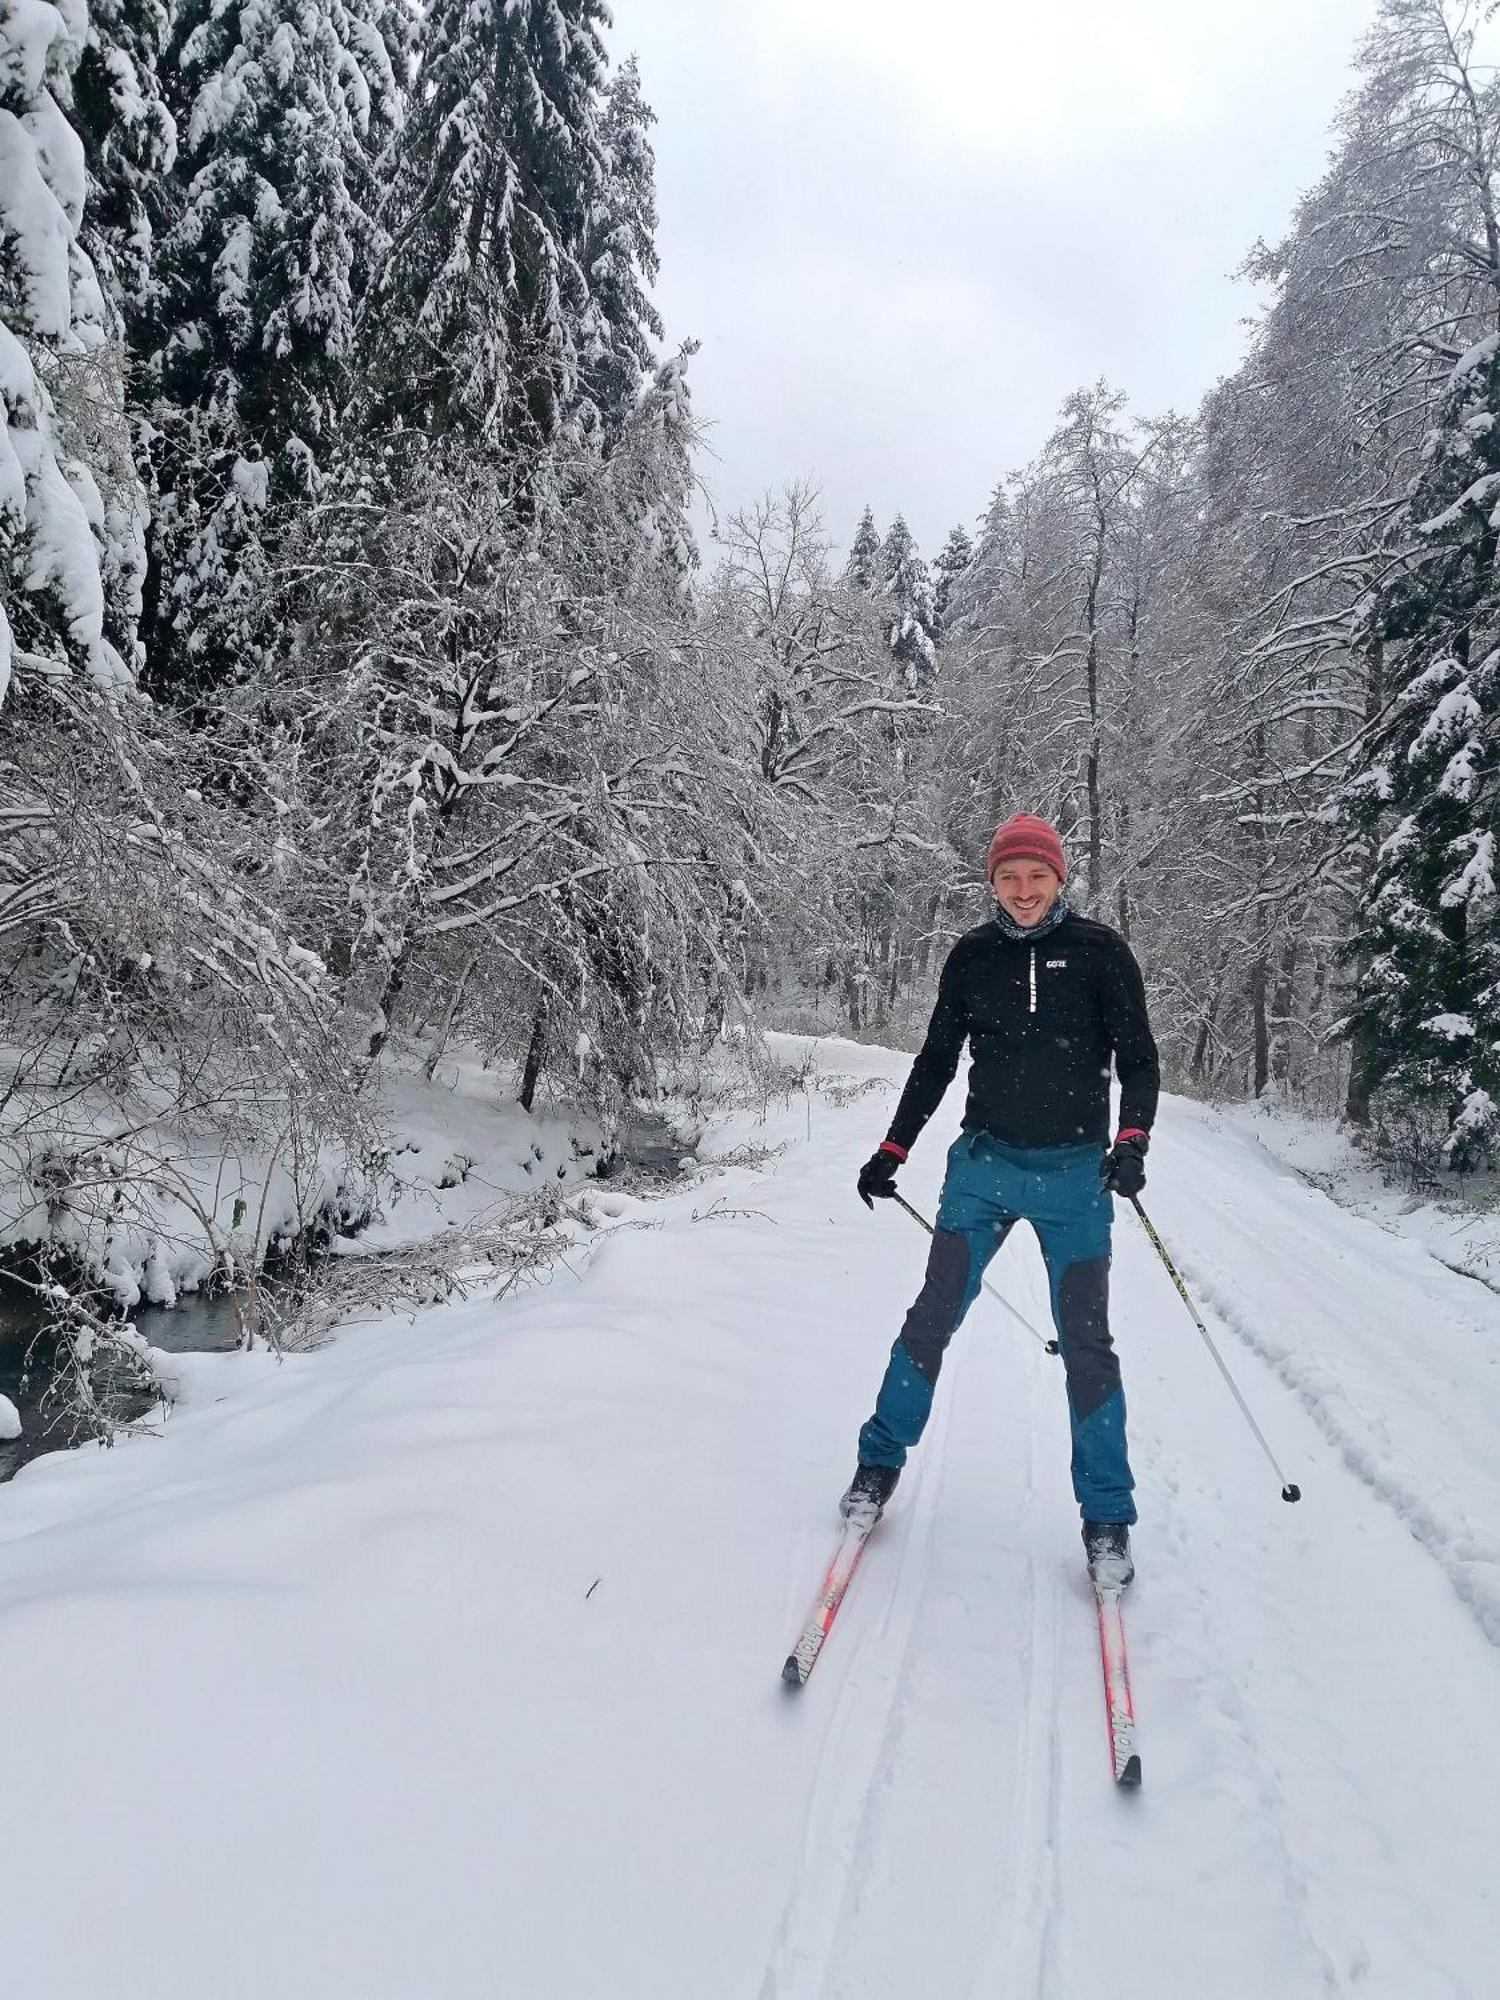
(1289, 1492)
(1000, 1298)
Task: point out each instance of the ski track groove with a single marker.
(1025, 1965)
(1444, 1541)
(1225, 1692)
(841, 1814)
(1300, 1889)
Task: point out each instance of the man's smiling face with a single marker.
(1025, 890)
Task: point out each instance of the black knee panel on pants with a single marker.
(934, 1313)
(1089, 1356)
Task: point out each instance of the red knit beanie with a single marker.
(1024, 837)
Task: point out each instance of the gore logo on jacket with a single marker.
(1045, 1021)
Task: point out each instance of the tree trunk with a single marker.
(461, 986)
(535, 1049)
(1362, 1041)
(1283, 1003)
(1261, 1057)
(1357, 1096)
(1200, 1067)
(1096, 812)
(386, 1005)
(851, 1001)
(1200, 1045)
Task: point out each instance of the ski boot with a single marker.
(1106, 1548)
(869, 1490)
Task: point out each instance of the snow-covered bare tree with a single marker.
(497, 721)
(820, 713)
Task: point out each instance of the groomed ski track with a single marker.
(444, 1662)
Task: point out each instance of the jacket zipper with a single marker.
(1033, 979)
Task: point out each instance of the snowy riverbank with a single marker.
(164, 1204)
(475, 1617)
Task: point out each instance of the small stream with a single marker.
(208, 1323)
(198, 1324)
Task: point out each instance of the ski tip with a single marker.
(1129, 1779)
(791, 1673)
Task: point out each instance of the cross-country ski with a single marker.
(1119, 1706)
(804, 1655)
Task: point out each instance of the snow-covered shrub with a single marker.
(160, 1025)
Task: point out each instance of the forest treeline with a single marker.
(361, 676)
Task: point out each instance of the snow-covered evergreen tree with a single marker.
(282, 110)
(651, 484)
(485, 318)
(953, 559)
(863, 566)
(620, 258)
(129, 142)
(978, 593)
(1428, 942)
(52, 329)
(907, 589)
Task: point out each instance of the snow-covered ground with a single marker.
(1458, 1221)
(443, 1662)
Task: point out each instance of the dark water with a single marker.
(206, 1323)
(645, 1147)
(197, 1324)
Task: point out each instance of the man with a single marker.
(1045, 998)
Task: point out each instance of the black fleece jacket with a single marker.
(1044, 1017)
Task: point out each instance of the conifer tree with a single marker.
(956, 555)
(979, 594)
(485, 318)
(863, 566)
(662, 437)
(1428, 944)
(620, 259)
(907, 589)
(52, 325)
(130, 143)
(282, 111)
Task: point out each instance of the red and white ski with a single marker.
(1119, 1709)
(804, 1655)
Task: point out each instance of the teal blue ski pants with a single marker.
(988, 1189)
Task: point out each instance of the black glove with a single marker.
(878, 1174)
(1123, 1168)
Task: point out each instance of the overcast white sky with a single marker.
(903, 232)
